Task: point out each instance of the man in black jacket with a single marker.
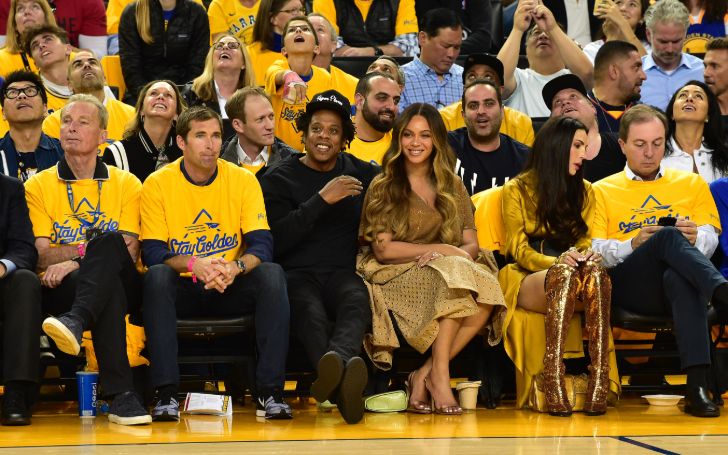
(314, 202)
(255, 146)
(20, 298)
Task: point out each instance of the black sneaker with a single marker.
(329, 372)
(349, 400)
(272, 407)
(125, 409)
(166, 410)
(66, 331)
(15, 409)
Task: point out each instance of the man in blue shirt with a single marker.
(433, 77)
(667, 67)
(25, 149)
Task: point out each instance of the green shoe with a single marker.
(394, 401)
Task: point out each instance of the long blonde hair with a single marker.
(143, 20)
(13, 40)
(204, 84)
(388, 205)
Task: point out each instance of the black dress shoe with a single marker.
(351, 389)
(699, 404)
(15, 410)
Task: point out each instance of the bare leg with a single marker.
(469, 327)
(438, 381)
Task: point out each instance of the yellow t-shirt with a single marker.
(262, 60)
(202, 220)
(406, 18)
(4, 127)
(10, 62)
(344, 83)
(371, 152)
(54, 218)
(286, 114)
(55, 103)
(231, 16)
(254, 168)
(119, 116)
(515, 123)
(623, 205)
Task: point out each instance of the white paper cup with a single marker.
(468, 394)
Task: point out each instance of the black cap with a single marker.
(560, 83)
(331, 100)
(484, 59)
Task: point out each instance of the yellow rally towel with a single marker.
(135, 340)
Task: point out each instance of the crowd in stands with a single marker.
(576, 164)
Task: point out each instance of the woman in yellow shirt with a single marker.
(547, 211)
(23, 15)
(268, 33)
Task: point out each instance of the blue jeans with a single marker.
(262, 291)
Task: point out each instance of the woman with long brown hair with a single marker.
(421, 261)
(547, 211)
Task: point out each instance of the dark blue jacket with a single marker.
(47, 154)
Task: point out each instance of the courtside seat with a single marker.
(662, 352)
(220, 340)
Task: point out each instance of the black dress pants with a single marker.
(101, 292)
(20, 297)
(666, 276)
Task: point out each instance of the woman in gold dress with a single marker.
(422, 263)
(547, 210)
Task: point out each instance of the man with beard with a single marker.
(667, 67)
(486, 66)
(86, 76)
(618, 78)
(716, 74)
(377, 99)
(314, 202)
(566, 96)
(486, 158)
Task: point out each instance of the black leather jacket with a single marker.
(178, 53)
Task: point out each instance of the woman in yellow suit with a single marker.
(547, 211)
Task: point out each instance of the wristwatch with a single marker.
(241, 265)
(77, 259)
(378, 52)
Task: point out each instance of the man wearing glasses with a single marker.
(25, 149)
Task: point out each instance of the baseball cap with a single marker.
(560, 83)
(484, 59)
(331, 100)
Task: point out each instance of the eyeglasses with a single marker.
(13, 93)
(301, 11)
(229, 44)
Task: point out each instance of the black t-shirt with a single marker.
(610, 159)
(608, 116)
(483, 170)
(308, 232)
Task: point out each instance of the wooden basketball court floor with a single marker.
(632, 427)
